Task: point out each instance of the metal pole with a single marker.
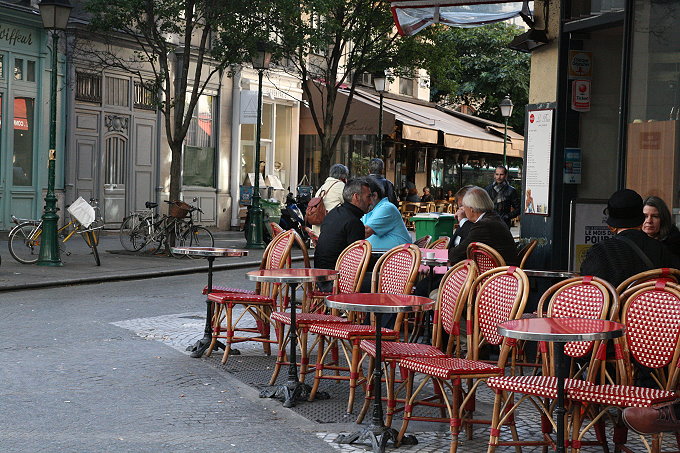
(380, 134)
(49, 244)
(505, 144)
(255, 237)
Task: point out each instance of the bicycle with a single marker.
(24, 238)
(143, 227)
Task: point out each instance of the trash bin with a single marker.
(435, 226)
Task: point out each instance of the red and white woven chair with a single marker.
(453, 292)
(501, 294)
(525, 252)
(423, 241)
(651, 314)
(484, 256)
(580, 297)
(276, 229)
(665, 273)
(259, 305)
(313, 237)
(394, 273)
(440, 244)
(351, 265)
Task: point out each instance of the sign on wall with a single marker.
(248, 112)
(580, 95)
(588, 227)
(572, 165)
(537, 161)
(580, 64)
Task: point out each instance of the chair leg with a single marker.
(230, 334)
(281, 353)
(391, 400)
(495, 429)
(369, 389)
(354, 375)
(217, 312)
(318, 372)
(407, 407)
(304, 358)
(455, 411)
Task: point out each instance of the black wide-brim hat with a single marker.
(624, 209)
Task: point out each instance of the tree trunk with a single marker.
(175, 170)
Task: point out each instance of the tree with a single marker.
(186, 45)
(330, 44)
(479, 70)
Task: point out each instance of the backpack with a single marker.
(316, 210)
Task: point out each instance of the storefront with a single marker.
(24, 96)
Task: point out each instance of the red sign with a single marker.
(580, 95)
(20, 117)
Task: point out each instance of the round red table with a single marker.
(377, 434)
(209, 253)
(560, 331)
(293, 389)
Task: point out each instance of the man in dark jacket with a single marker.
(342, 225)
(376, 169)
(630, 251)
(505, 198)
(487, 227)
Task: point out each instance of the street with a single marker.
(73, 381)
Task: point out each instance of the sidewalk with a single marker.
(117, 263)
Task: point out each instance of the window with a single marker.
(117, 92)
(199, 149)
(30, 71)
(145, 96)
(115, 158)
(88, 87)
(406, 86)
(18, 69)
(22, 158)
(2, 66)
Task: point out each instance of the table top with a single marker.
(296, 275)
(550, 274)
(379, 302)
(209, 251)
(561, 329)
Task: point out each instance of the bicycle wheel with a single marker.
(91, 240)
(181, 238)
(133, 233)
(24, 242)
(198, 236)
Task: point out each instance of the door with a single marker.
(115, 165)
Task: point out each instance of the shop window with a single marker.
(199, 149)
(406, 86)
(145, 96)
(24, 125)
(30, 71)
(281, 165)
(18, 69)
(115, 160)
(117, 92)
(88, 87)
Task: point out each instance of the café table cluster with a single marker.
(592, 340)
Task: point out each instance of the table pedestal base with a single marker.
(291, 392)
(377, 437)
(198, 349)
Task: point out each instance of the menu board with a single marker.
(537, 161)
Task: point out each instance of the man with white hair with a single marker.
(487, 227)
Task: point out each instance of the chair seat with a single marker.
(306, 318)
(226, 289)
(392, 350)
(320, 293)
(449, 367)
(223, 298)
(350, 331)
(543, 386)
(621, 395)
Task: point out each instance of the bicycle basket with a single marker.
(179, 209)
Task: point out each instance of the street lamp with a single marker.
(54, 14)
(381, 84)
(260, 62)
(506, 112)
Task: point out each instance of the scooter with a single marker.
(292, 216)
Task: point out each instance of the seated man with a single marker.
(487, 227)
(630, 251)
(384, 226)
(342, 226)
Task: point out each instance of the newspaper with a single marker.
(82, 211)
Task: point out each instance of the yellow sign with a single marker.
(580, 64)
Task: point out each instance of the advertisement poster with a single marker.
(588, 227)
(537, 163)
(572, 165)
(580, 95)
(248, 111)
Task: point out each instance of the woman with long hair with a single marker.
(659, 223)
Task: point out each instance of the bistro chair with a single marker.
(423, 241)
(259, 306)
(276, 229)
(453, 291)
(495, 296)
(651, 314)
(394, 273)
(525, 252)
(409, 210)
(665, 273)
(313, 237)
(484, 256)
(351, 265)
(440, 244)
(580, 297)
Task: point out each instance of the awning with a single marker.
(411, 16)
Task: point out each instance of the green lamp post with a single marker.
(381, 84)
(54, 14)
(260, 63)
(506, 112)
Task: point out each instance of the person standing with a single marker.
(376, 169)
(333, 187)
(504, 197)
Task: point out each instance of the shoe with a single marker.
(651, 420)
